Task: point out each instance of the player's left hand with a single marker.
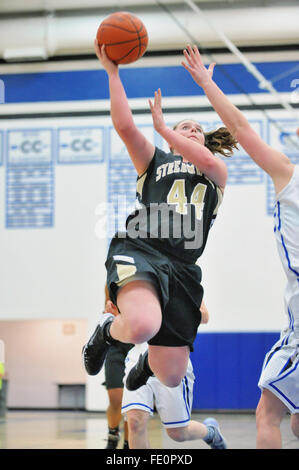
(156, 110)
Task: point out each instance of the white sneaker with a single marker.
(218, 441)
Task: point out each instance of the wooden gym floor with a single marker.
(88, 430)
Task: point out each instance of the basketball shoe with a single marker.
(139, 374)
(95, 350)
(214, 439)
(113, 438)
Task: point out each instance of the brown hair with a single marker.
(221, 141)
(218, 141)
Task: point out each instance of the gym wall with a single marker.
(63, 172)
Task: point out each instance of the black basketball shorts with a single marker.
(178, 285)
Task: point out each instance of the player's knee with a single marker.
(136, 423)
(139, 335)
(141, 332)
(114, 406)
(169, 377)
(267, 417)
(176, 434)
(263, 419)
(259, 415)
(295, 424)
(172, 380)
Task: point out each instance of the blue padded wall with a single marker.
(227, 367)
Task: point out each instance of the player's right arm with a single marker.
(140, 149)
(275, 163)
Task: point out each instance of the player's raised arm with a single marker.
(274, 162)
(190, 145)
(140, 149)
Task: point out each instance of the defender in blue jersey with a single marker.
(173, 405)
(151, 272)
(279, 380)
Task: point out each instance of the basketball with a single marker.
(125, 37)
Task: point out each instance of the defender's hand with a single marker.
(200, 74)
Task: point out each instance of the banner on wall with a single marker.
(80, 145)
(31, 154)
(29, 178)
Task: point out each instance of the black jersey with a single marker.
(176, 206)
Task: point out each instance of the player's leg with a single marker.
(139, 321)
(174, 406)
(269, 414)
(208, 431)
(295, 424)
(194, 430)
(168, 351)
(141, 315)
(137, 425)
(114, 416)
(126, 434)
(114, 373)
(169, 364)
(137, 406)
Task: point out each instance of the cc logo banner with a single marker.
(77, 145)
(80, 145)
(28, 146)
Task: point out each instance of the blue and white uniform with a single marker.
(172, 404)
(280, 373)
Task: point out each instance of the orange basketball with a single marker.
(125, 37)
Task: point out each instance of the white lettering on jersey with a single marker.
(176, 166)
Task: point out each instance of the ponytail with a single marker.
(221, 141)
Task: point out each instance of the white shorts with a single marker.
(280, 372)
(173, 405)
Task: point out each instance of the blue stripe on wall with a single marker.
(139, 82)
(227, 367)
